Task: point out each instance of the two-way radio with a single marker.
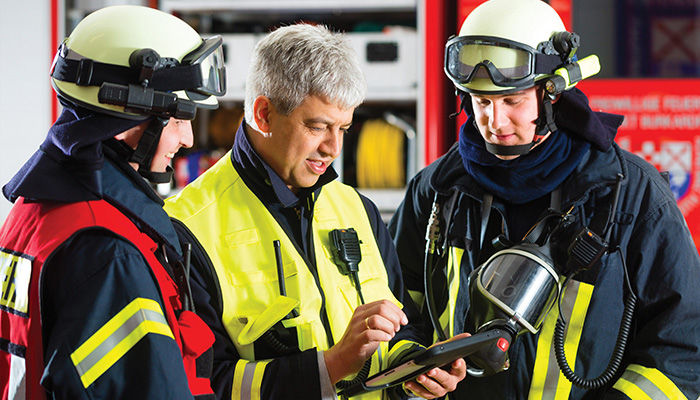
(347, 255)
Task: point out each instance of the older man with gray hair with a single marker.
(296, 273)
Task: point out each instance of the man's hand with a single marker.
(437, 382)
(370, 325)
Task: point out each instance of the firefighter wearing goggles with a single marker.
(95, 300)
(137, 72)
(536, 224)
(488, 58)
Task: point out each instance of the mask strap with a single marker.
(485, 214)
(535, 233)
(465, 105)
(145, 149)
(87, 72)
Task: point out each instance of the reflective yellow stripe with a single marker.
(257, 379)
(247, 379)
(399, 349)
(238, 379)
(115, 338)
(574, 329)
(453, 275)
(544, 348)
(659, 379)
(548, 383)
(446, 319)
(15, 274)
(647, 383)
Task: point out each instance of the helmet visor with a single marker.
(504, 62)
(209, 57)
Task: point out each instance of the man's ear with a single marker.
(132, 136)
(556, 98)
(262, 107)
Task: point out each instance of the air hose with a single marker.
(432, 235)
(618, 353)
(360, 377)
(277, 345)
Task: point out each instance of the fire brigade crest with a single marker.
(677, 157)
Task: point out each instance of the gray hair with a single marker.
(296, 61)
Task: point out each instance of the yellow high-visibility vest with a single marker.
(237, 232)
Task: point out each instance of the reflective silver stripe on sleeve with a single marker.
(643, 383)
(247, 383)
(251, 379)
(115, 338)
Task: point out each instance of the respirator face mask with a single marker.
(512, 291)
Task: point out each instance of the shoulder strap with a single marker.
(485, 214)
(447, 213)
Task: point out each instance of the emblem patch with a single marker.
(15, 273)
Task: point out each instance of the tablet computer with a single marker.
(436, 355)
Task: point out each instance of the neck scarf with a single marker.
(527, 177)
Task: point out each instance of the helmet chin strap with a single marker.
(157, 177)
(545, 124)
(146, 149)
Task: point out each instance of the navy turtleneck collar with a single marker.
(527, 177)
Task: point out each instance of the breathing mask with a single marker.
(512, 291)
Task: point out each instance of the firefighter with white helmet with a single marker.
(537, 191)
(490, 58)
(96, 301)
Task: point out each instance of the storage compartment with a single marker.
(387, 58)
(238, 49)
